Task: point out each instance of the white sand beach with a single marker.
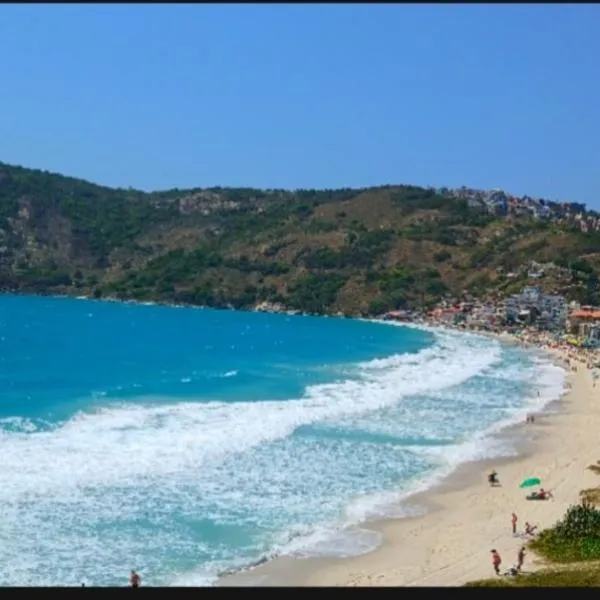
(466, 518)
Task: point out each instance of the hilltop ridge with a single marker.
(354, 251)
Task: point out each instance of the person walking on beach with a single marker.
(134, 579)
(496, 561)
(514, 523)
(520, 558)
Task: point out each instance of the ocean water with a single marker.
(185, 442)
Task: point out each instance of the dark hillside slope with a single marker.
(355, 251)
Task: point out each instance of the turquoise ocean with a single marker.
(186, 443)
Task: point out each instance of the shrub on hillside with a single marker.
(580, 521)
(575, 538)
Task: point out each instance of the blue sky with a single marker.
(162, 96)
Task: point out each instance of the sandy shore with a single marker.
(466, 518)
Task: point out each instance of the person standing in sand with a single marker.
(514, 520)
(520, 558)
(496, 561)
(134, 579)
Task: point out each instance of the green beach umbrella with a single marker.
(530, 482)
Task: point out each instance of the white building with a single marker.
(549, 311)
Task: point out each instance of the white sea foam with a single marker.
(547, 381)
(137, 440)
(76, 490)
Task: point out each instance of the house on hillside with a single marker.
(531, 306)
(543, 211)
(553, 312)
(398, 315)
(584, 321)
(497, 202)
(535, 273)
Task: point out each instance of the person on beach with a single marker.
(134, 579)
(514, 523)
(496, 561)
(530, 529)
(520, 558)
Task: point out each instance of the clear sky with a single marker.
(162, 96)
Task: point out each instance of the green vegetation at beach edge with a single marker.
(587, 575)
(356, 252)
(571, 549)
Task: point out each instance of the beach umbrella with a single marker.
(530, 482)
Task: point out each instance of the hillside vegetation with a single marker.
(357, 251)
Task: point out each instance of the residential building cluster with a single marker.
(531, 308)
(503, 204)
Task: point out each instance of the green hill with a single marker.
(350, 250)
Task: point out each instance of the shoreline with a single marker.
(428, 557)
(258, 307)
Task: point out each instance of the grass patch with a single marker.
(591, 496)
(576, 537)
(575, 577)
(595, 468)
(560, 550)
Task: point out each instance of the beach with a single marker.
(465, 517)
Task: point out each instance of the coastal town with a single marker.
(526, 312)
(503, 204)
